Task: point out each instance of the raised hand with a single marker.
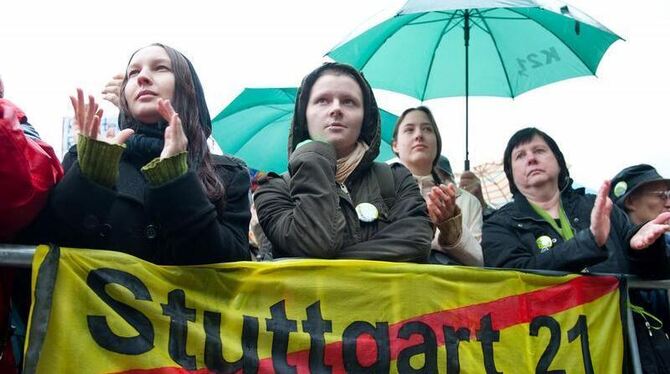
(441, 203)
(86, 116)
(651, 231)
(600, 215)
(471, 183)
(112, 90)
(175, 138)
(87, 119)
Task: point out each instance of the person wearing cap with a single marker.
(551, 226)
(455, 213)
(641, 192)
(332, 201)
(154, 191)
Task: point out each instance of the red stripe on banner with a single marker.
(166, 370)
(505, 312)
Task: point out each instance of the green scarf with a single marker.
(565, 230)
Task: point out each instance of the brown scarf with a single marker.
(346, 165)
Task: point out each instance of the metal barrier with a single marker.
(21, 256)
(637, 283)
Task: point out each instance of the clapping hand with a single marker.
(600, 215)
(651, 231)
(441, 203)
(112, 89)
(87, 119)
(175, 138)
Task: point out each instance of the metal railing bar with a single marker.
(20, 256)
(632, 343)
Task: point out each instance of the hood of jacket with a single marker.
(370, 130)
(126, 121)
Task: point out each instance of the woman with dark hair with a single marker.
(154, 191)
(335, 201)
(455, 213)
(550, 225)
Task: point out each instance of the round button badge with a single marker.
(620, 188)
(367, 212)
(544, 243)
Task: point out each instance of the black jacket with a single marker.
(171, 224)
(510, 240)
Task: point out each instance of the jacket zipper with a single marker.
(344, 188)
(356, 228)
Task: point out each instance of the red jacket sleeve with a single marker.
(28, 170)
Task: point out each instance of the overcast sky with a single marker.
(602, 124)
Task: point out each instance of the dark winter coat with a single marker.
(310, 215)
(172, 224)
(510, 241)
(306, 213)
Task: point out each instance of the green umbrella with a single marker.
(447, 48)
(255, 125)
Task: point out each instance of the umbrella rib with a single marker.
(455, 25)
(502, 63)
(505, 18)
(432, 58)
(387, 38)
(476, 23)
(263, 126)
(291, 97)
(278, 108)
(411, 23)
(567, 45)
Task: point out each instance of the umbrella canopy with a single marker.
(255, 126)
(447, 48)
(494, 184)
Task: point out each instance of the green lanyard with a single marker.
(565, 230)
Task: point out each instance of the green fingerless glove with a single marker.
(98, 160)
(159, 171)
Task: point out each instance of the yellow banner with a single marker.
(107, 312)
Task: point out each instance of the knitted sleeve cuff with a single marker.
(451, 230)
(98, 160)
(160, 171)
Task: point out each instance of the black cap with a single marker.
(630, 179)
(444, 165)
